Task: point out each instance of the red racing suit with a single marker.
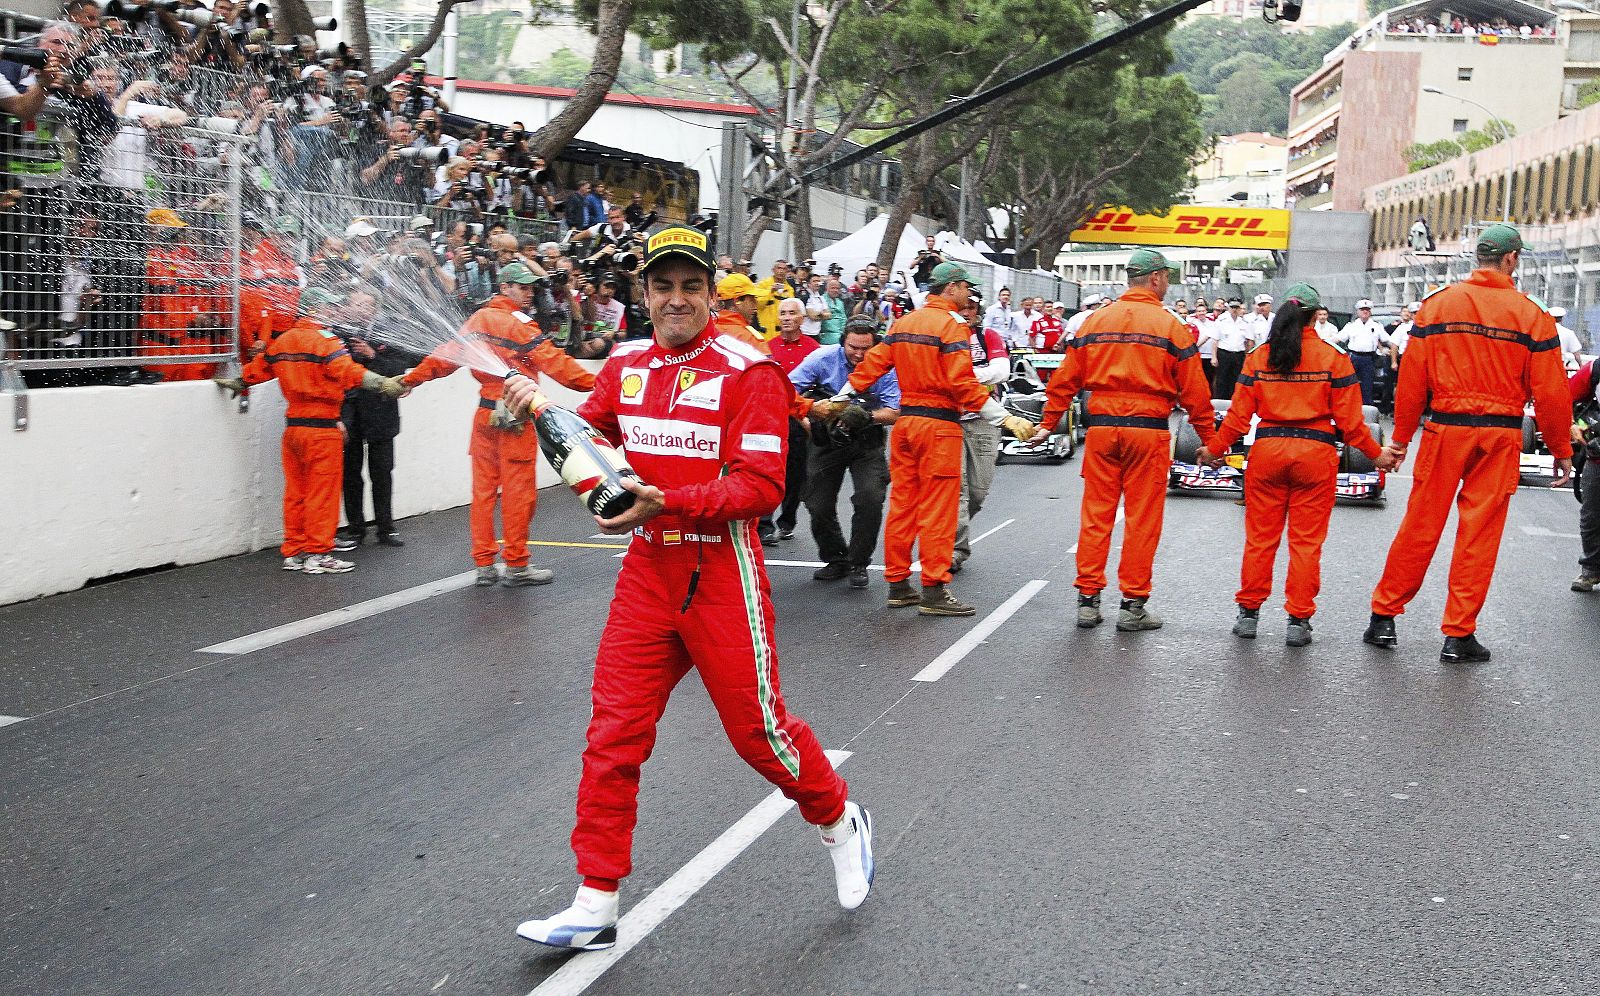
(708, 425)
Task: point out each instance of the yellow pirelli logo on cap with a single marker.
(677, 237)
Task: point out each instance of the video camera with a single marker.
(38, 58)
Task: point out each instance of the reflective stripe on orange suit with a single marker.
(314, 370)
(504, 463)
(930, 352)
(1138, 360)
(1290, 481)
(170, 307)
(732, 323)
(1479, 347)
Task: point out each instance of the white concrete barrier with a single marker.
(108, 480)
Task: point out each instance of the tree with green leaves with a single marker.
(1117, 136)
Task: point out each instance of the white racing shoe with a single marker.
(849, 843)
(589, 924)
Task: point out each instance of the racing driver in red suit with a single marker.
(704, 419)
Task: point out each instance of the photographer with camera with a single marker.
(314, 119)
(927, 259)
(398, 172)
(853, 443)
(459, 186)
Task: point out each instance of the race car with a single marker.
(1537, 464)
(1024, 394)
(1358, 479)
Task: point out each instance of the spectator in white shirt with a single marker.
(1003, 320)
(1326, 330)
(1402, 333)
(1233, 334)
(816, 305)
(1362, 337)
(1571, 348)
(1091, 304)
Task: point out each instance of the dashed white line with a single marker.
(1544, 533)
(338, 617)
(580, 972)
(975, 636)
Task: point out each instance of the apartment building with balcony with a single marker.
(1351, 119)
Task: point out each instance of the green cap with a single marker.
(516, 273)
(289, 225)
(320, 296)
(1146, 261)
(1499, 238)
(949, 273)
(1304, 295)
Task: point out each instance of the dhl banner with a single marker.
(1184, 225)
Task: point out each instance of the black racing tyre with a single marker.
(1530, 434)
(1185, 443)
(1354, 461)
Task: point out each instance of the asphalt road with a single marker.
(373, 807)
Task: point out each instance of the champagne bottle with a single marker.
(586, 460)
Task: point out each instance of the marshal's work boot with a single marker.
(589, 924)
(1585, 582)
(487, 577)
(1245, 626)
(1298, 632)
(1134, 617)
(525, 575)
(903, 594)
(1464, 650)
(937, 601)
(1088, 611)
(1380, 632)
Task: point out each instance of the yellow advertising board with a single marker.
(1187, 225)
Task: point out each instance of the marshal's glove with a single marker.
(233, 385)
(394, 387)
(854, 418)
(1020, 427)
(825, 410)
(501, 418)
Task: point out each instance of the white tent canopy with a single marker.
(860, 248)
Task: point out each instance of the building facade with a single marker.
(1246, 170)
(1351, 120)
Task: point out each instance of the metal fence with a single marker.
(121, 251)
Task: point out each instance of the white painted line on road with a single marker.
(581, 971)
(977, 634)
(338, 617)
(1544, 533)
(8, 720)
(980, 538)
(1120, 515)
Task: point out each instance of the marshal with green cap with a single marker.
(1304, 295)
(320, 296)
(1144, 262)
(1499, 240)
(517, 273)
(949, 273)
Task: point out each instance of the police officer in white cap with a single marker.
(1091, 304)
(1260, 318)
(1362, 337)
(1571, 348)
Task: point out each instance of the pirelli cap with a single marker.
(1146, 261)
(1304, 295)
(679, 241)
(949, 273)
(1500, 238)
(516, 273)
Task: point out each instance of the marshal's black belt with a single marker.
(1477, 421)
(1296, 432)
(315, 423)
(486, 403)
(942, 414)
(1126, 422)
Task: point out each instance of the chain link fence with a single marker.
(119, 253)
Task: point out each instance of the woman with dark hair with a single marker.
(1307, 397)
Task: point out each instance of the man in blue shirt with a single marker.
(852, 442)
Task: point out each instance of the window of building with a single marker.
(1464, 72)
(1459, 125)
